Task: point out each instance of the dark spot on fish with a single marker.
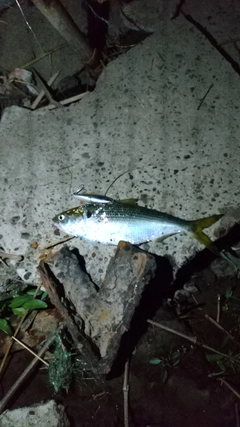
(175, 171)
(27, 275)
(14, 220)
(187, 157)
(25, 235)
(89, 214)
(68, 122)
(86, 155)
(1, 236)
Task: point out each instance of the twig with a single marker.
(66, 101)
(138, 99)
(28, 64)
(4, 255)
(125, 393)
(193, 340)
(232, 338)
(218, 308)
(223, 381)
(4, 263)
(59, 243)
(200, 104)
(30, 351)
(46, 90)
(237, 415)
(42, 93)
(25, 374)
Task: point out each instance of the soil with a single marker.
(171, 381)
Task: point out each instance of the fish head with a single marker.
(70, 220)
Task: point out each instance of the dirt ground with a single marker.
(171, 380)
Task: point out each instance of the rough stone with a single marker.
(103, 315)
(48, 414)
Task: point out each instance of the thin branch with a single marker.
(223, 381)
(232, 338)
(25, 374)
(46, 89)
(66, 101)
(204, 97)
(125, 393)
(237, 415)
(30, 350)
(194, 340)
(218, 308)
(42, 93)
(28, 64)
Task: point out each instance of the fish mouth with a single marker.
(55, 219)
(56, 223)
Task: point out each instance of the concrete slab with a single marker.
(48, 414)
(144, 117)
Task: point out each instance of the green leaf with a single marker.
(229, 293)
(44, 295)
(176, 363)
(213, 357)
(5, 326)
(155, 361)
(225, 308)
(225, 341)
(164, 376)
(33, 292)
(34, 304)
(19, 311)
(176, 358)
(19, 301)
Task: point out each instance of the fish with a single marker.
(116, 220)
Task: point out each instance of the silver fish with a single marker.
(112, 221)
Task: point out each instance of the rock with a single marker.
(102, 315)
(48, 414)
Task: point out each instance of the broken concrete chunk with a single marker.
(103, 315)
(49, 414)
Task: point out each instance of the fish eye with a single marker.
(61, 217)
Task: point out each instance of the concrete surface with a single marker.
(143, 117)
(48, 414)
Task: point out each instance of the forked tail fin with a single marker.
(196, 228)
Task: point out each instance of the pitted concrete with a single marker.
(143, 117)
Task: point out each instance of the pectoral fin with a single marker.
(161, 239)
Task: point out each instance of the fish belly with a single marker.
(135, 232)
